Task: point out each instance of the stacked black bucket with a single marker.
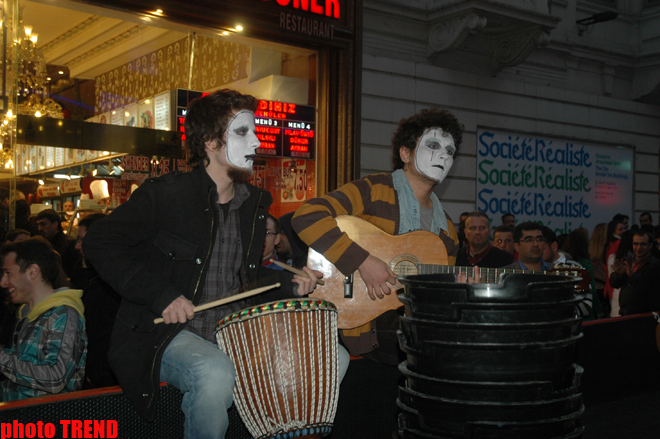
(490, 360)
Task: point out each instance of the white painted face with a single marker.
(242, 141)
(434, 154)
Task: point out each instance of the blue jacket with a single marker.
(50, 349)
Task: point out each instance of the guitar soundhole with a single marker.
(405, 268)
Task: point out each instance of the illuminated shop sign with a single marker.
(329, 8)
(285, 129)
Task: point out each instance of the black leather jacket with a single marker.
(155, 248)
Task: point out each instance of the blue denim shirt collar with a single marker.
(409, 210)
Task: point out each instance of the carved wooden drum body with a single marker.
(287, 367)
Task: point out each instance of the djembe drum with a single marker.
(287, 367)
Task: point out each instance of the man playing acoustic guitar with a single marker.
(424, 147)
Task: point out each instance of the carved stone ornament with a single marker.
(646, 82)
(514, 49)
(449, 34)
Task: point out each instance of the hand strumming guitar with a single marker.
(463, 278)
(376, 275)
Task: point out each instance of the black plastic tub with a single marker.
(492, 361)
(413, 424)
(495, 391)
(517, 298)
(419, 331)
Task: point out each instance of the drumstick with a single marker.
(227, 300)
(294, 270)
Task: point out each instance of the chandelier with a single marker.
(33, 78)
(25, 67)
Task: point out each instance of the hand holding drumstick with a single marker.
(297, 271)
(182, 309)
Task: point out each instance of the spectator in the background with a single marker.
(596, 246)
(655, 247)
(23, 218)
(578, 246)
(83, 272)
(101, 306)
(529, 243)
(7, 309)
(624, 252)
(638, 277)
(614, 232)
(50, 348)
(480, 251)
(16, 235)
(271, 241)
(503, 239)
(645, 219)
(561, 240)
(292, 249)
(509, 220)
(462, 242)
(50, 227)
(620, 218)
(551, 253)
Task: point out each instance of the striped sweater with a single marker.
(371, 198)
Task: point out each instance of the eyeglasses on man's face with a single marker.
(268, 232)
(530, 239)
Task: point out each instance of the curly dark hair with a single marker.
(207, 119)
(411, 129)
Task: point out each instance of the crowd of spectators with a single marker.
(623, 265)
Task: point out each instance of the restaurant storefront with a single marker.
(95, 93)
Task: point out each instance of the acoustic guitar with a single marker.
(418, 252)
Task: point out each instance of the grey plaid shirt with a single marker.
(223, 277)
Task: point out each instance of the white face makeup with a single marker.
(434, 154)
(242, 141)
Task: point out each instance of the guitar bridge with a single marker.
(348, 286)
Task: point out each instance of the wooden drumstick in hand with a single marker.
(228, 299)
(294, 270)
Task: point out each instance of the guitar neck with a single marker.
(488, 275)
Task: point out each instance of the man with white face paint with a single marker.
(182, 240)
(434, 154)
(242, 142)
(424, 147)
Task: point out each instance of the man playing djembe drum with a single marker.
(184, 239)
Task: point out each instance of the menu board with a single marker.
(117, 117)
(146, 114)
(79, 155)
(41, 157)
(131, 115)
(286, 129)
(59, 156)
(162, 114)
(22, 160)
(69, 155)
(33, 159)
(50, 156)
